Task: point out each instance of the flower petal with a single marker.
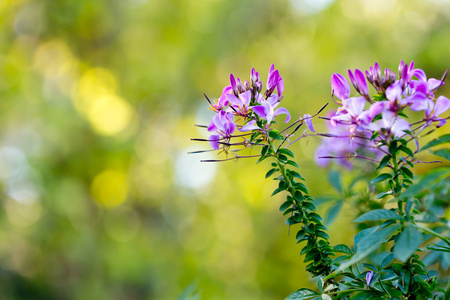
(214, 141)
(308, 122)
(283, 110)
(441, 106)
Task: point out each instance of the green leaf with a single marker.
(383, 194)
(286, 151)
(275, 134)
(343, 249)
(264, 150)
(426, 181)
(271, 171)
(438, 141)
(285, 205)
(335, 179)
(282, 158)
(407, 172)
(381, 177)
(369, 243)
(445, 153)
(303, 294)
(378, 214)
(407, 150)
(292, 163)
(372, 294)
(301, 187)
(387, 260)
(276, 192)
(435, 247)
(261, 159)
(333, 212)
(407, 243)
(384, 161)
(392, 148)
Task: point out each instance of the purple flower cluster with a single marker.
(245, 103)
(384, 114)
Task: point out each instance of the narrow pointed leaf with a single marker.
(440, 140)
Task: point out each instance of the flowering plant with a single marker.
(408, 213)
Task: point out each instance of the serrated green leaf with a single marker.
(407, 243)
(335, 179)
(303, 294)
(378, 214)
(438, 141)
(381, 177)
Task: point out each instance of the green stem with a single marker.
(432, 232)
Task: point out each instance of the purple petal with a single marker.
(377, 108)
(399, 127)
(361, 81)
(355, 106)
(234, 100)
(308, 122)
(229, 127)
(233, 84)
(223, 99)
(214, 141)
(260, 110)
(420, 74)
(249, 126)
(394, 92)
(273, 100)
(283, 110)
(442, 105)
(369, 276)
(246, 97)
(273, 80)
(340, 86)
(434, 84)
(280, 87)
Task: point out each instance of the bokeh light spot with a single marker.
(96, 98)
(110, 188)
(311, 7)
(191, 173)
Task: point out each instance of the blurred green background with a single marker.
(97, 102)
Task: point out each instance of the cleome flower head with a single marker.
(383, 116)
(246, 107)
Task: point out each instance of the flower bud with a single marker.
(340, 86)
